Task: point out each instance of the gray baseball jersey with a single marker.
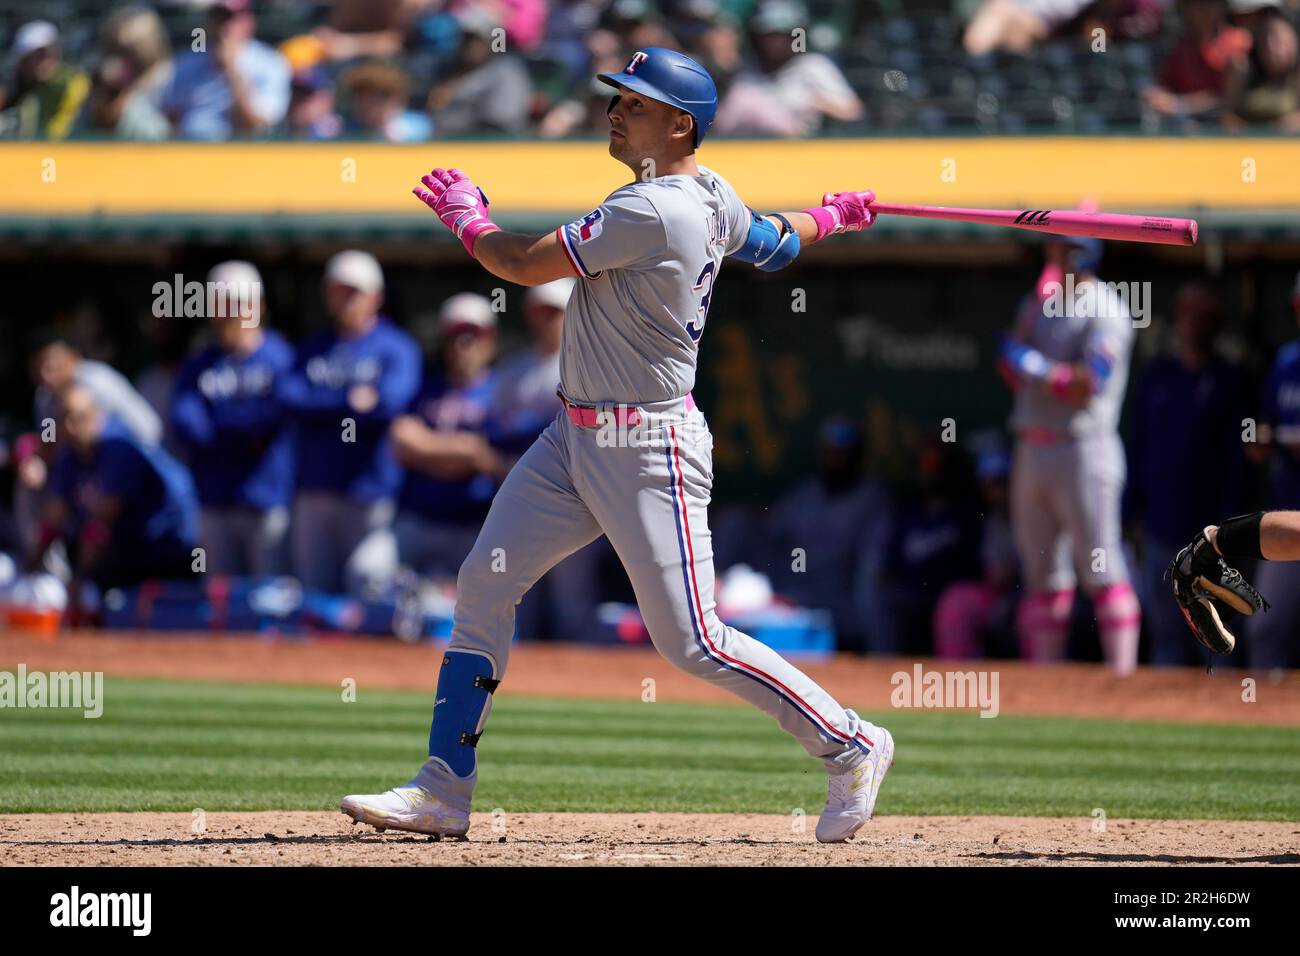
(649, 255)
(1100, 325)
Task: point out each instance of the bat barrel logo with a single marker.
(1034, 217)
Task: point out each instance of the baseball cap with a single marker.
(779, 16)
(235, 272)
(357, 269)
(35, 36)
(554, 294)
(477, 22)
(466, 309)
(232, 6)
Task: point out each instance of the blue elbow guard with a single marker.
(1101, 367)
(768, 246)
(466, 682)
(1024, 360)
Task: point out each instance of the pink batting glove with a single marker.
(843, 212)
(460, 204)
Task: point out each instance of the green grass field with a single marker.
(175, 746)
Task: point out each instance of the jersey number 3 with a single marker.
(703, 285)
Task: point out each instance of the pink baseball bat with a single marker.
(1099, 225)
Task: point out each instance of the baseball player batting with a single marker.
(646, 259)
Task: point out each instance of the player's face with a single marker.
(641, 128)
(231, 333)
(468, 351)
(351, 308)
(82, 420)
(53, 366)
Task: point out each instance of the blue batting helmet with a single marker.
(673, 78)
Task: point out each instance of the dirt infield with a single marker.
(645, 839)
(1174, 694)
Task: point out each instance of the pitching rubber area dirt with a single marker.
(642, 839)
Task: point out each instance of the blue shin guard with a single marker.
(466, 682)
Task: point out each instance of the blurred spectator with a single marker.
(1188, 410)
(590, 114)
(237, 85)
(481, 89)
(347, 385)
(43, 98)
(1271, 638)
(568, 24)
(361, 28)
(311, 107)
(932, 539)
(1068, 362)
(524, 21)
(1122, 20)
(1265, 89)
(713, 38)
(820, 531)
(1017, 26)
(1194, 75)
(792, 91)
(55, 365)
(125, 511)
(974, 615)
(452, 471)
(114, 109)
(376, 106)
(624, 27)
(137, 33)
(228, 421)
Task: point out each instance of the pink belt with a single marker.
(588, 416)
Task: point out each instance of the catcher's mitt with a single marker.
(1203, 585)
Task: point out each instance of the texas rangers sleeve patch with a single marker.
(589, 226)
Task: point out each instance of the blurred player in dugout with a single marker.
(1271, 640)
(125, 510)
(1069, 372)
(227, 419)
(441, 440)
(347, 385)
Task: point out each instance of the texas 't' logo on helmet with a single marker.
(637, 59)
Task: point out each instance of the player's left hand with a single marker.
(462, 206)
(1205, 585)
(852, 210)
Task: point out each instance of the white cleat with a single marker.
(410, 808)
(851, 797)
